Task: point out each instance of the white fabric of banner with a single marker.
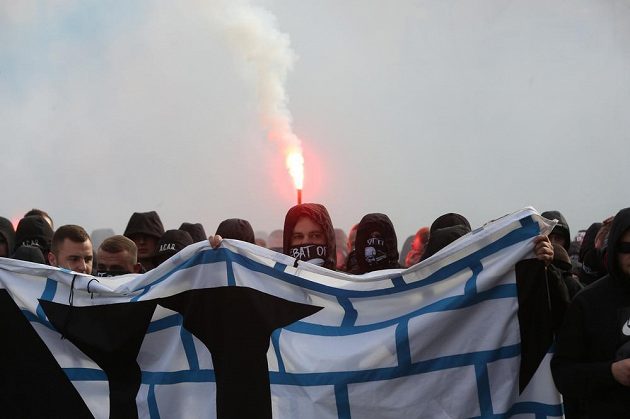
(438, 340)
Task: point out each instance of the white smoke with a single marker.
(253, 34)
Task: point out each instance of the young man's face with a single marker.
(307, 231)
(146, 245)
(74, 256)
(623, 258)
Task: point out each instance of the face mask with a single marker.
(311, 253)
(107, 274)
(375, 252)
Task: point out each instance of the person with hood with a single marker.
(171, 242)
(560, 233)
(442, 237)
(450, 219)
(592, 358)
(591, 264)
(308, 235)
(236, 228)
(145, 229)
(7, 238)
(196, 231)
(34, 230)
(376, 244)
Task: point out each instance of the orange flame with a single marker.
(295, 164)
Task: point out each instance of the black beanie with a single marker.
(236, 228)
(195, 230)
(34, 231)
(171, 242)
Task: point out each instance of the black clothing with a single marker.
(148, 223)
(171, 242)
(562, 263)
(34, 231)
(376, 244)
(562, 228)
(196, 231)
(442, 237)
(8, 234)
(319, 215)
(593, 266)
(30, 254)
(236, 228)
(595, 327)
(449, 220)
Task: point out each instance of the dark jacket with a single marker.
(376, 244)
(236, 228)
(319, 215)
(562, 228)
(595, 327)
(148, 223)
(171, 242)
(8, 234)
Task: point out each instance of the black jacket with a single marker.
(596, 325)
(7, 232)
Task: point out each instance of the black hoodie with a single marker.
(8, 234)
(236, 228)
(319, 215)
(195, 230)
(148, 223)
(376, 244)
(562, 228)
(596, 326)
(34, 231)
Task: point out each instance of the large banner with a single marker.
(244, 332)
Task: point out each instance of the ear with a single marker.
(52, 260)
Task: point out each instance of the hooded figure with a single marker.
(590, 257)
(376, 244)
(324, 253)
(171, 242)
(448, 220)
(236, 228)
(34, 231)
(145, 229)
(561, 229)
(7, 235)
(30, 254)
(590, 349)
(195, 230)
(442, 237)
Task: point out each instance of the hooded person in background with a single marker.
(592, 358)
(562, 262)
(237, 229)
(448, 220)
(30, 254)
(309, 235)
(34, 231)
(442, 237)
(592, 266)
(171, 242)
(196, 231)
(7, 238)
(560, 233)
(376, 244)
(145, 229)
(418, 247)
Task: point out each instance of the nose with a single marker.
(81, 266)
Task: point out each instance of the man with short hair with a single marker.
(71, 248)
(117, 255)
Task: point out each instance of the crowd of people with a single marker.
(587, 279)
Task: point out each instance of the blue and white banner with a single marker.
(242, 331)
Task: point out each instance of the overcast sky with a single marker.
(410, 108)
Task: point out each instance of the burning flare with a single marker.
(253, 34)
